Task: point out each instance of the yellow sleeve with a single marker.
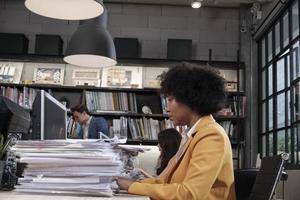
(204, 166)
(148, 180)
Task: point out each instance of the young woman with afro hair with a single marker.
(202, 168)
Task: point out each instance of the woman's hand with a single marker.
(124, 182)
(146, 174)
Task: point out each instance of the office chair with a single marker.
(268, 176)
(244, 180)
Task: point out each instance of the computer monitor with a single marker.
(13, 118)
(49, 118)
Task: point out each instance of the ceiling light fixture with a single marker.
(66, 9)
(196, 4)
(91, 44)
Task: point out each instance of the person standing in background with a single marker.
(89, 126)
(202, 168)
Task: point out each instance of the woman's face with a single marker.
(179, 113)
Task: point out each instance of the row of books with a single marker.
(119, 128)
(124, 102)
(72, 128)
(23, 97)
(133, 128)
(95, 101)
(115, 101)
(229, 128)
(164, 103)
(110, 101)
(237, 155)
(235, 106)
(147, 129)
(143, 128)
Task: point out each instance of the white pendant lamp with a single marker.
(196, 3)
(91, 45)
(66, 9)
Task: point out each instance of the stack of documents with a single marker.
(80, 167)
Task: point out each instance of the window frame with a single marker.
(287, 54)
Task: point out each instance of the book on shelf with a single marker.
(72, 128)
(119, 128)
(164, 103)
(23, 97)
(122, 102)
(110, 101)
(235, 106)
(148, 128)
(229, 128)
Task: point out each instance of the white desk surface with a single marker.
(11, 195)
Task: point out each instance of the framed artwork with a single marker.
(86, 77)
(122, 77)
(48, 75)
(151, 76)
(10, 72)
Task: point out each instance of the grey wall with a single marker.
(215, 28)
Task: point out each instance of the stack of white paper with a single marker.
(81, 167)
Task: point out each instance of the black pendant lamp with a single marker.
(66, 9)
(91, 44)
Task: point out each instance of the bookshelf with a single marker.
(128, 102)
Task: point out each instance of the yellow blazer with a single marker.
(204, 170)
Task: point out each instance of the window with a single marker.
(270, 80)
(280, 68)
(270, 46)
(277, 38)
(280, 86)
(286, 29)
(295, 20)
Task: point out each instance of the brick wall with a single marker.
(215, 28)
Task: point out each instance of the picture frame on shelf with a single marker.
(230, 77)
(86, 77)
(45, 75)
(231, 86)
(122, 77)
(11, 72)
(151, 77)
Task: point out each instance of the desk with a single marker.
(11, 195)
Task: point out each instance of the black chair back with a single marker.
(244, 180)
(267, 178)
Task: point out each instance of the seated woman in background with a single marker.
(168, 144)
